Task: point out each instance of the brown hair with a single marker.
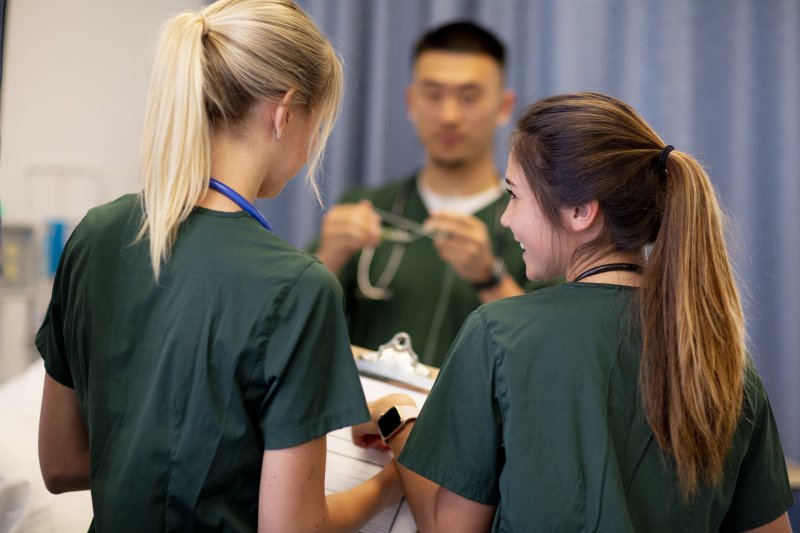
(575, 148)
(210, 68)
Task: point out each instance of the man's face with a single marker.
(456, 102)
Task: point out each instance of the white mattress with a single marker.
(25, 504)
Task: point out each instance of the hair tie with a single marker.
(662, 159)
(206, 27)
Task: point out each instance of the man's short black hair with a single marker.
(461, 36)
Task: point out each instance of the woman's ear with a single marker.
(281, 113)
(581, 218)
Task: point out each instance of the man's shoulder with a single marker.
(380, 195)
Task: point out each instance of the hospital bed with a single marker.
(25, 504)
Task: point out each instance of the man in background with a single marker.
(419, 254)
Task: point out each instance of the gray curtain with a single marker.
(717, 78)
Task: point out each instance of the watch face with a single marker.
(389, 422)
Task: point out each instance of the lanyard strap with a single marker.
(609, 268)
(239, 200)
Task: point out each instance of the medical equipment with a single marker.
(401, 232)
(404, 232)
(393, 256)
(239, 200)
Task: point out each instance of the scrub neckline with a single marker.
(223, 214)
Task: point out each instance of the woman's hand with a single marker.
(367, 435)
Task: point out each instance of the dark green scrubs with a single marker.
(241, 347)
(428, 300)
(537, 410)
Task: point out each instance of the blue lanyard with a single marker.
(237, 198)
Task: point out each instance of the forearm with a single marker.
(66, 477)
(779, 525)
(435, 508)
(63, 440)
(505, 289)
(292, 493)
(420, 492)
(351, 509)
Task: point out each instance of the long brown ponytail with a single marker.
(576, 148)
(694, 335)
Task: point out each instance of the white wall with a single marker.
(74, 81)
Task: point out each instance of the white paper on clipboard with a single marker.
(348, 465)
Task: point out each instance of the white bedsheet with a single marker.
(25, 504)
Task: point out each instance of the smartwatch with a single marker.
(395, 419)
(496, 272)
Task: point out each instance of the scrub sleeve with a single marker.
(756, 499)
(456, 441)
(312, 385)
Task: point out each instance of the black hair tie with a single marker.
(662, 159)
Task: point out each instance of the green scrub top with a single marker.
(242, 346)
(428, 300)
(537, 410)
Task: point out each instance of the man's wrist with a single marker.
(496, 272)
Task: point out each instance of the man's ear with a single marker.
(580, 218)
(508, 99)
(281, 113)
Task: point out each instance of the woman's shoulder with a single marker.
(560, 297)
(123, 208)
(755, 395)
(107, 223)
(579, 311)
(292, 268)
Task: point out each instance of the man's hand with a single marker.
(464, 243)
(346, 229)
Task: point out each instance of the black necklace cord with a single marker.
(610, 267)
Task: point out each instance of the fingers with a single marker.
(464, 244)
(367, 435)
(455, 225)
(353, 223)
(346, 229)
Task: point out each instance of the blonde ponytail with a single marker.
(175, 152)
(210, 69)
(692, 372)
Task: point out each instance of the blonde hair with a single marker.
(576, 148)
(210, 68)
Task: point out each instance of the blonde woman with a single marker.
(623, 400)
(195, 361)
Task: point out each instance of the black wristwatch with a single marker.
(496, 274)
(395, 419)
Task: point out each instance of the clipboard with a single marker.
(348, 465)
(396, 362)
